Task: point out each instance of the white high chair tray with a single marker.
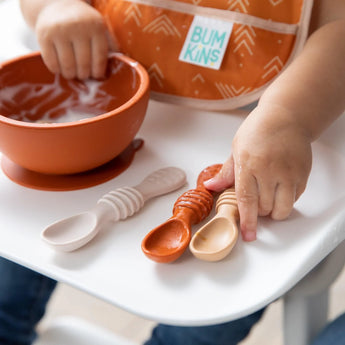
(188, 291)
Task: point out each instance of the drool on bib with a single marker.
(210, 54)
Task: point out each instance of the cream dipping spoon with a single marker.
(74, 232)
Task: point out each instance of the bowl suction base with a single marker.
(106, 172)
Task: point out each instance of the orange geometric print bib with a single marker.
(210, 54)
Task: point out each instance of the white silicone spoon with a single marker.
(72, 233)
(215, 239)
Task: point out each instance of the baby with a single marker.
(271, 153)
(269, 164)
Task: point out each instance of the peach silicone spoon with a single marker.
(215, 239)
(168, 241)
(72, 233)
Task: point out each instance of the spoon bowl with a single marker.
(215, 240)
(167, 242)
(72, 233)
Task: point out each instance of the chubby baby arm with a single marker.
(71, 34)
(271, 151)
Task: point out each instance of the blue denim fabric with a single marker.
(333, 334)
(23, 298)
(230, 333)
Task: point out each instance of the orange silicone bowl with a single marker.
(28, 92)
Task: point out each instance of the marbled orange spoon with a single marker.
(168, 241)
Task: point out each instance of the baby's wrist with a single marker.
(278, 117)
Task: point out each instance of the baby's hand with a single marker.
(73, 39)
(270, 164)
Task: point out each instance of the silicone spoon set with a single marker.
(212, 242)
(168, 241)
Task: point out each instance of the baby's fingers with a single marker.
(50, 58)
(248, 201)
(82, 52)
(66, 58)
(285, 197)
(99, 57)
(224, 179)
(267, 189)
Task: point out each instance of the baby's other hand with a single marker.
(270, 165)
(73, 39)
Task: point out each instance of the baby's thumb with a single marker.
(224, 179)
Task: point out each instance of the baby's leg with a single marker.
(23, 298)
(333, 334)
(229, 333)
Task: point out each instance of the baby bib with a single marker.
(209, 54)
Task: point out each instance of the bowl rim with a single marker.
(142, 89)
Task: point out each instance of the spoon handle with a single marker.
(195, 205)
(124, 202)
(226, 205)
(161, 181)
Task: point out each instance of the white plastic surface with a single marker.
(188, 291)
(73, 331)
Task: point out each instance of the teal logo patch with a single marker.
(206, 42)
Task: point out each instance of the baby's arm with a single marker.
(271, 152)
(71, 34)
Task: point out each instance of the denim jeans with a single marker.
(333, 334)
(25, 293)
(23, 298)
(229, 333)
